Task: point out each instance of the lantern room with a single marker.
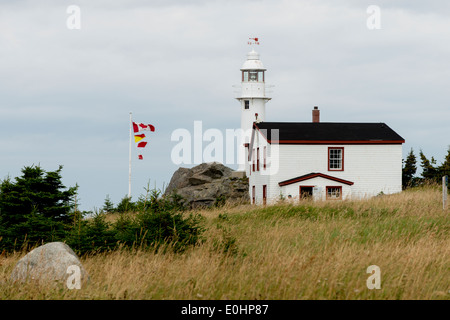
(252, 76)
(253, 69)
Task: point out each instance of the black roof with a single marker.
(316, 132)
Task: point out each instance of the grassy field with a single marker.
(317, 250)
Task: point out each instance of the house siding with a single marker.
(373, 168)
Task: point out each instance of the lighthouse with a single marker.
(253, 91)
(252, 96)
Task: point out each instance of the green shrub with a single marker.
(108, 205)
(126, 205)
(160, 227)
(34, 208)
(91, 235)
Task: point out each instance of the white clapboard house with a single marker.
(318, 160)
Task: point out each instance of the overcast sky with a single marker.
(66, 94)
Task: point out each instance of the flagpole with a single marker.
(129, 165)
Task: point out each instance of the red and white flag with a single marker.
(139, 138)
(138, 127)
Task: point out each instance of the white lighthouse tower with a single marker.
(252, 97)
(253, 91)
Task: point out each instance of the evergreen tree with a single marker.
(35, 207)
(429, 171)
(126, 205)
(108, 205)
(444, 169)
(409, 170)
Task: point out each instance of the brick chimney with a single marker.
(316, 114)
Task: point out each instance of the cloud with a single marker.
(66, 94)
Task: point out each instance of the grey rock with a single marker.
(198, 179)
(47, 263)
(180, 179)
(206, 184)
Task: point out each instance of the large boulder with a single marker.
(48, 263)
(208, 184)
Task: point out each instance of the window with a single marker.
(253, 157)
(245, 76)
(253, 195)
(264, 156)
(253, 76)
(257, 159)
(246, 104)
(335, 159)
(334, 193)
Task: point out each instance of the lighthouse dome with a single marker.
(253, 62)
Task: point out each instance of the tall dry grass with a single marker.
(313, 250)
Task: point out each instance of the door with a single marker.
(306, 192)
(264, 194)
